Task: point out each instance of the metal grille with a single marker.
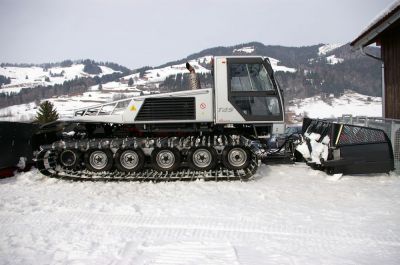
(396, 150)
(358, 135)
(171, 108)
(390, 126)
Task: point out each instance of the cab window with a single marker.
(249, 77)
(258, 106)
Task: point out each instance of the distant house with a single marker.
(384, 31)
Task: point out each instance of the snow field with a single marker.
(288, 214)
(349, 103)
(36, 76)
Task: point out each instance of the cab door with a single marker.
(246, 91)
(252, 90)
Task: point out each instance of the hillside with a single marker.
(309, 71)
(26, 83)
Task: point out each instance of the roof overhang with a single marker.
(371, 34)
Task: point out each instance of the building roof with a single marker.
(379, 24)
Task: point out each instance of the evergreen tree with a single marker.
(66, 63)
(46, 113)
(91, 67)
(130, 81)
(100, 87)
(4, 80)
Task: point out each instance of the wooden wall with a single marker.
(391, 56)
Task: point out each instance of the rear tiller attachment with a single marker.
(345, 148)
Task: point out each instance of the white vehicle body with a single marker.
(235, 99)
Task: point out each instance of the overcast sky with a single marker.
(135, 33)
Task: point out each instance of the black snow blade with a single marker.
(16, 143)
(350, 149)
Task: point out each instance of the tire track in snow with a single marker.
(199, 227)
(176, 253)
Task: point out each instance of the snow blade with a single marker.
(350, 149)
(16, 143)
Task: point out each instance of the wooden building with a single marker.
(385, 32)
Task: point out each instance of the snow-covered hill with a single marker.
(24, 77)
(326, 53)
(157, 75)
(326, 48)
(289, 214)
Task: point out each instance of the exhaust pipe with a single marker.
(194, 82)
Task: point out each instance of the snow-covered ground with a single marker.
(349, 103)
(288, 214)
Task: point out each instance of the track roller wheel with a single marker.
(166, 159)
(40, 163)
(69, 158)
(236, 157)
(202, 158)
(98, 160)
(129, 160)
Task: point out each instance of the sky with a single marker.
(136, 33)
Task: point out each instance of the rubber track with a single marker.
(48, 166)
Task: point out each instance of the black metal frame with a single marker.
(375, 156)
(16, 141)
